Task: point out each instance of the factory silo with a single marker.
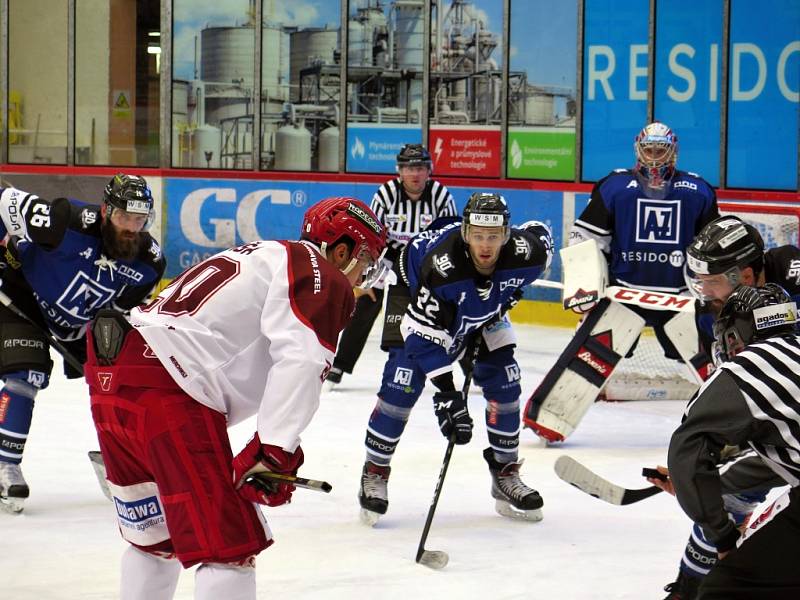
(293, 148)
(307, 47)
(328, 149)
(408, 40)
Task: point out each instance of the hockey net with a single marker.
(648, 374)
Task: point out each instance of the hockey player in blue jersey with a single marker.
(63, 261)
(461, 279)
(642, 220)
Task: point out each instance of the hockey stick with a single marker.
(438, 559)
(264, 478)
(95, 457)
(626, 295)
(66, 354)
(570, 470)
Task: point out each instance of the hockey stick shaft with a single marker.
(301, 482)
(68, 357)
(449, 451)
(582, 477)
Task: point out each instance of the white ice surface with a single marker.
(66, 544)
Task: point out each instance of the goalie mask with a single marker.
(656, 149)
(753, 314)
(716, 257)
(346, 219)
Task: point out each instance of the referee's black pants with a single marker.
(355, 335)
(765, 566)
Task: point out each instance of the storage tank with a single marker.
(226, 55)
(539, 109)
(357, 46)
(274, 63)
(308, 47)
(409, 35)
(293, 148)
(328, 149)
(206, 143)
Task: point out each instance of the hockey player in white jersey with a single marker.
(751, 400)
(250, 331)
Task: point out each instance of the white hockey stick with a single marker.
(626, 295)
(570, 470)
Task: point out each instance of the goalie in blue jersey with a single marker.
(459, 280)
(641, 220)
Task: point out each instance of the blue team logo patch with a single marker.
(658, 221)
(138, 510)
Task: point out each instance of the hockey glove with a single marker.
(454, 419)
(257, 457)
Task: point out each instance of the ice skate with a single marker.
(333, 379)
(683, 588)
(513, 498)
(13, 489)
(373, 494)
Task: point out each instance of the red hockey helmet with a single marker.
(334, 218)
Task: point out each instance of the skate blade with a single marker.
(12, 505)
(100, 472)
(505, 509)
(369, 518)
(434, 559)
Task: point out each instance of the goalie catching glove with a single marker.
(257, 457)
(454, 419)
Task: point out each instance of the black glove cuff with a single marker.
(444, 382)
(728, 540)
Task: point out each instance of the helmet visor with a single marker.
(133, 220)
(708, 287)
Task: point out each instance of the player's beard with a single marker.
(119, 244)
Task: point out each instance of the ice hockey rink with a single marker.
(66, 545)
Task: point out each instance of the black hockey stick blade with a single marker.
(301, 482)
(570, 470)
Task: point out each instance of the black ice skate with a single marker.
(332, 379)
(373, 494)
(13, 489)
(683, 588)
(512, 497)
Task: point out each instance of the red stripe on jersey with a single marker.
(320, 295)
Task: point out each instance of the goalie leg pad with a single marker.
(682, 332)
(569, 389)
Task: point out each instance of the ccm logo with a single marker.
(653, 298)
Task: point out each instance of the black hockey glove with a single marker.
(454, 419)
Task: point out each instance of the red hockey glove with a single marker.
(257, 457)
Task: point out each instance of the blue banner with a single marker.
(614, 83)
(764, 91)
(205, 216)
(688, 74)
(373, 147)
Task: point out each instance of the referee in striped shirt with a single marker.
(407, 205)
(752, 399)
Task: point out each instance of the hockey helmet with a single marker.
(332, 219)
(486, 209)
(131, 194)
(753, 314)
(412, 155)
(723, 248)
(656, 149)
